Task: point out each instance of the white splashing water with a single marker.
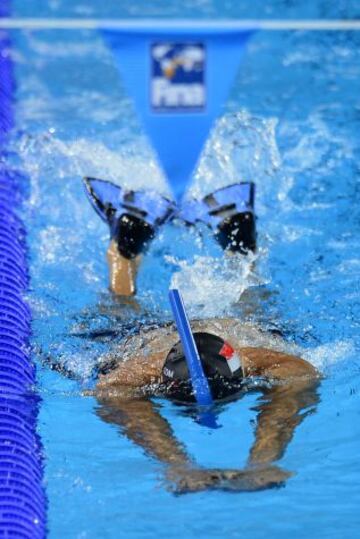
(209, 286)
(324, 356)
(241, 148)
(131, 165)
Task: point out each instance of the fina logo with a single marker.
(178, 77)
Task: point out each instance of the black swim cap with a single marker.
(221, 366)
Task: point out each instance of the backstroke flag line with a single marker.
(179, 80)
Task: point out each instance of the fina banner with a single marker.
(179, 82)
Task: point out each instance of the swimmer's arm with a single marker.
(141, 422)
(281, 410)
(122, 271)
(144, 364)
(135, 373)
(275, 365)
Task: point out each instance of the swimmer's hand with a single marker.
(183, 481)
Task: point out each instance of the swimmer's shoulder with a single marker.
(275, 365)
(262, 353)
(147, 341)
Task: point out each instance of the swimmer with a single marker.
(152, 363)
(134, 218)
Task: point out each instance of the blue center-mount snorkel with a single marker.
(198, 378)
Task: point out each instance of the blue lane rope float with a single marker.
(198, 379)
(22, 498)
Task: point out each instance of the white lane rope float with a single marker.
(174, 24)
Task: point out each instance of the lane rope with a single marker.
(174, 24)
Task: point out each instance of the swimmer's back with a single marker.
(138, 361)
(150, 339)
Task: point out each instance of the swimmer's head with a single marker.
(220, 363)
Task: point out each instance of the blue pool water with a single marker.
(292, 125)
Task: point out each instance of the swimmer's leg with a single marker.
(122, 271)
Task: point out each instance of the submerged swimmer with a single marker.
(152, 363)
(134, 217)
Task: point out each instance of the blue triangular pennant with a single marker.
(179, 80)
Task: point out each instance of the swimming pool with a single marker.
(292, 126)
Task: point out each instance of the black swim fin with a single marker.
(133, 216)
(229, 211)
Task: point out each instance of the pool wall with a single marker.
(22, 498)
